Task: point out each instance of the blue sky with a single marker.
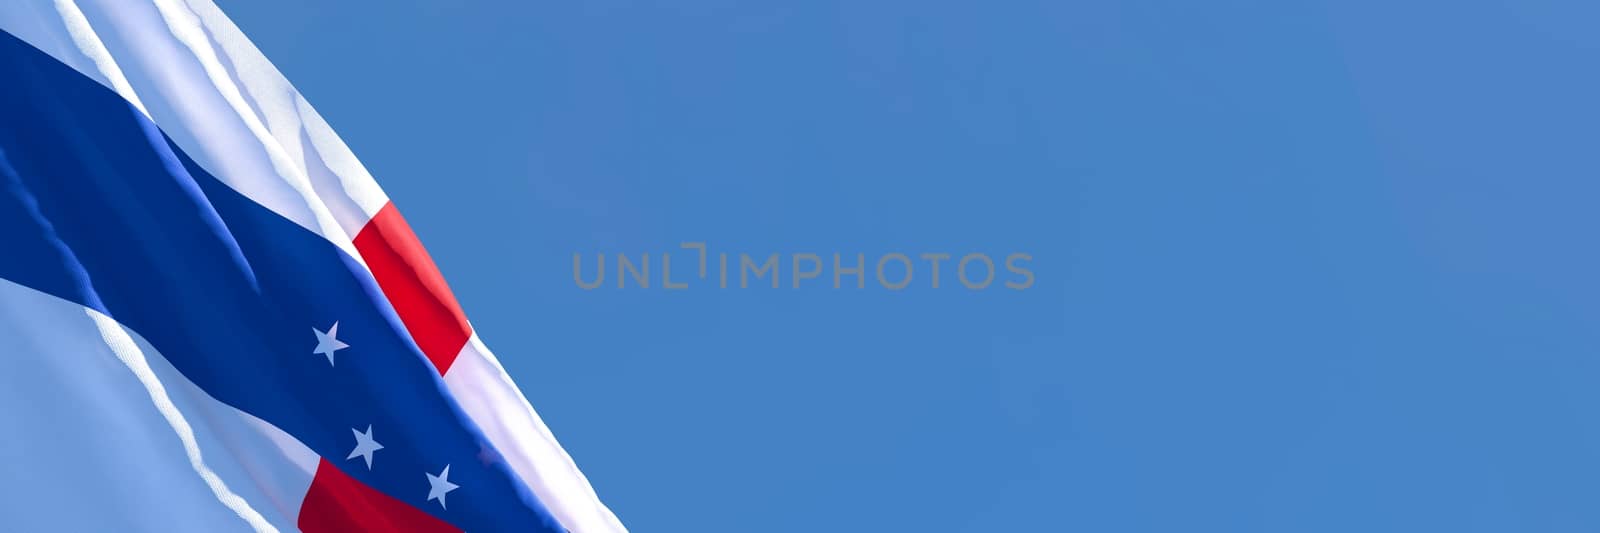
(1301, 266)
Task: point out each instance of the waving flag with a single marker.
(212, 317)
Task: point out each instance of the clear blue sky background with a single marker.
(1301, 266)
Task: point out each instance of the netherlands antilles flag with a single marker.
(212, 318)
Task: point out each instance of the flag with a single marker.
(212, 317)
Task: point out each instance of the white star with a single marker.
(327, 343)
(440, 485)
(365, 445)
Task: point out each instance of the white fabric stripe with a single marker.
(126, 350)
(488, 395)
(339, 178)
(55, 28)
(104, 435)
(198, 78)
(83, 35)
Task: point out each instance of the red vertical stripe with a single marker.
(414, 286)
(336, 502)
